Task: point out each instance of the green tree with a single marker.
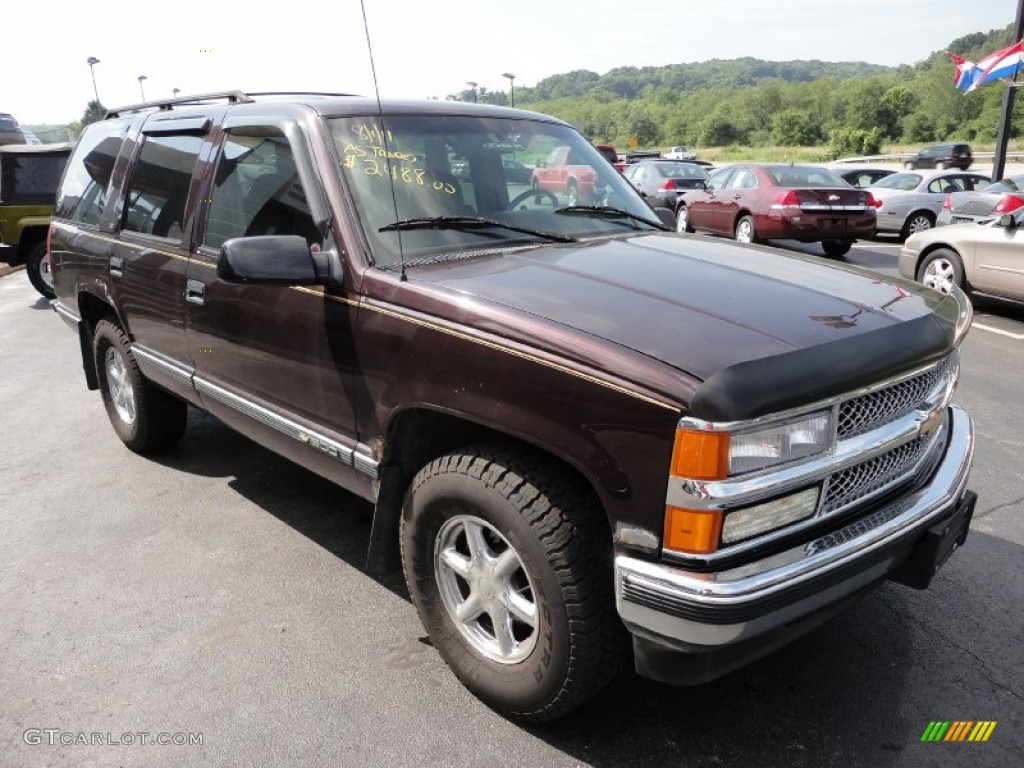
(794, 128)
(94, 112)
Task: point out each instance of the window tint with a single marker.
(903, 181)
(83, 193)
(30, 179)
(720, 179)
(257, 190)
(159, 186)
(744, 178)
(978, 182)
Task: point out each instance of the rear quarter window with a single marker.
(86, 184)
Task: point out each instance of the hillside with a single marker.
(853, 107)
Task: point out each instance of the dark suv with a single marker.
(941, 156)
(29, 175)
(579, 430)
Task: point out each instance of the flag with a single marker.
(1005, 62)
(966, 72)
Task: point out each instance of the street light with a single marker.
(512, 86)
(472, 85)
(141, 78)
(91, 61)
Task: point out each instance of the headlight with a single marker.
(707, 455)
(780, 443)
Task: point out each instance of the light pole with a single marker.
(91, 61)
(141, 78)
(472, 85)
(512, 87)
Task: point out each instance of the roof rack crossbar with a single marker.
(232, 97)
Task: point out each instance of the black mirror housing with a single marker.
(269, 260)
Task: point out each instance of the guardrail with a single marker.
(905, 155)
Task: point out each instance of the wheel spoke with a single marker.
(521, 608)
(478, 547)
(469, 608)
(508, 562)
(457, 561)
(503, 630)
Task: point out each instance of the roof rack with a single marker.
(232, 97)
(299, 93)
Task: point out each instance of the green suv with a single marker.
(29, 176)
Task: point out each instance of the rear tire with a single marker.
(508, 562)
(683, 220)
(40, 278)
(940, 166)
(918, 221)
(836, 249)
(745, 232)
(909, 165)
(146, 418)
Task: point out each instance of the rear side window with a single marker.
(158, 189)
(257, 190)
(83, 193)
(30, 179)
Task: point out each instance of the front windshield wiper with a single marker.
(470, 222)
(607, 211)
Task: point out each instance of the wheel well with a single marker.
(29, 237)
(415, 438)
(92, 309)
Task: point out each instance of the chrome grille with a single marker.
(862, 414)
(862, 479)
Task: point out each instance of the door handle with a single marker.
(116, 264)
(195, 292)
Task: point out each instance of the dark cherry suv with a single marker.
(579, 430)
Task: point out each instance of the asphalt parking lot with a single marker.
(218, 592)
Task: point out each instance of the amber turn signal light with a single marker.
(698, 455)
(695, 531)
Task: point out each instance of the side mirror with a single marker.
(1007, 221)
(272, 260)
(542, 164)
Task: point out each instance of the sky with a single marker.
(431, 48)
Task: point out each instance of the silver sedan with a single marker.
(910, 201)
(988, 258)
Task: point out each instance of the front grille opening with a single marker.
(856, 482)
(862, 414)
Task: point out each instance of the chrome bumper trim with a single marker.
(760, 583)
(66, 313)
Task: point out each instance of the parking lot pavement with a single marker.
(218, 591)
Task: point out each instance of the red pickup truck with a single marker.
(565, 174)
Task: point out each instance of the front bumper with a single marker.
(742, 613)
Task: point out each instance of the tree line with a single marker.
(852, 107)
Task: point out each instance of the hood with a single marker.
(704, 305)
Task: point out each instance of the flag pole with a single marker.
(1003, 137)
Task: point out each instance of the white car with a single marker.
(909, 202)
(988, 258)
(680, 153)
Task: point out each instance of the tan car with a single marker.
(988, 258)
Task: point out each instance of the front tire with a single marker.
(508, 562)
(146, 418)
(942, 269)
(38, 275)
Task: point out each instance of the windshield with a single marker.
(517, 174)
(905, 181)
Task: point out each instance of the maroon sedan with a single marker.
(755, 202)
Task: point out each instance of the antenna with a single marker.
(384, 139)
